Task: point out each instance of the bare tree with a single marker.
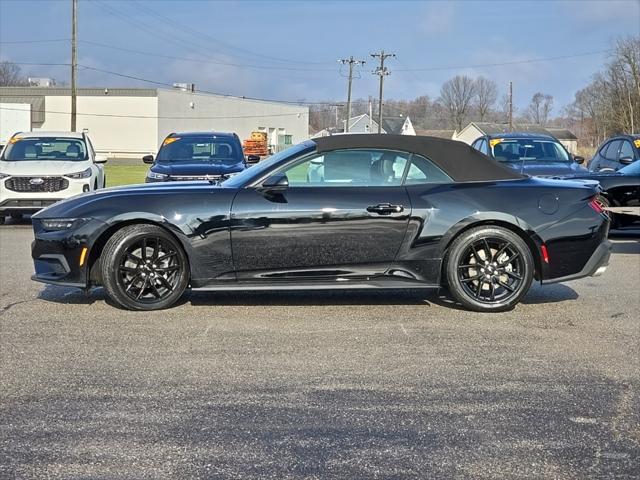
(456, 96)
(486, 96)
(540, 108)
(10, 75)
(611, 102)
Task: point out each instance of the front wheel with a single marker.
(144, 267)
(489, 269)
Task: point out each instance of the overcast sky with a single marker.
(289, 49)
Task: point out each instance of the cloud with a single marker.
(602, 11)
(438, 18)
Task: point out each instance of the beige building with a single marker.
(134, 121)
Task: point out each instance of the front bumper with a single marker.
(57, 255)
(31, 202)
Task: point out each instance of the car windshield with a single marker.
(632, 169)
(258, 169)
(518, 150)
(206, 149)
(45, 148)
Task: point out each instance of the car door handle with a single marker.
(385, 209)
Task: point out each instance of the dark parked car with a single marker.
(621, 189)
(347, 211)
(615, 153)
(197, 156)
(533, 154)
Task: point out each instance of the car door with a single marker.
(344, 213)
(626, 152)
(610, 159)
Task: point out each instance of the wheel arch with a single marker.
(96, 248)
(531, 239)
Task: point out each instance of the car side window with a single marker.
(484, 147)
(611, 153)
(423, 170)
(91, 149)
(349, 168)
(476, 144)
(626, 150)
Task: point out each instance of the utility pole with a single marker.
(351, 62)
(510, 106)
(382, 71)
(74, 61)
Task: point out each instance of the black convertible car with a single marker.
(347, 211)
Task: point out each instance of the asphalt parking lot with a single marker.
(321, 385)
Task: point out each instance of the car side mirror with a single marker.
(253, 159)
(626, 160)
(100, 159)
(578, 159)
(147, 159)
(276, 183)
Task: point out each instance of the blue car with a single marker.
(532, 154)
(198, 156)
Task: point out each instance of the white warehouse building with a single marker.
(134, 121)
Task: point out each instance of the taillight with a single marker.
(597, 205)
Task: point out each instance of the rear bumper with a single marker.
(595, 266)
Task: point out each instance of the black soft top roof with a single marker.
(460, 161)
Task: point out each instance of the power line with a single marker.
(151, 117)
(202, 60)
(133, 77)
(501, 64)
(17, 42)
(172, 22)
(168, 37)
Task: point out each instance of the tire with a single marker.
(1, 219)
(144, 267)
(16, 216)
(502, 277)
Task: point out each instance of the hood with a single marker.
(546, 169)
(196, 168)
(43, 167)
(68, 207)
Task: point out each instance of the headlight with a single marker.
(157, 176)
(4, 175)
(57, 224)
(84, 174)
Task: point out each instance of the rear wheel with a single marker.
(1, 219)
(489, 269)
(16, 216)
(144, 268)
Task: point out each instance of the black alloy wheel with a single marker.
(489, 269)
(144, 268)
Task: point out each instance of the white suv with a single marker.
(40, 168)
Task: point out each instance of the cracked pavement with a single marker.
(319, 385)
